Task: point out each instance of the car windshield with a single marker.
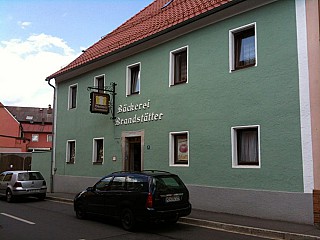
(165, 182)
(27, 176)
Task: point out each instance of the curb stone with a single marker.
(271, 234)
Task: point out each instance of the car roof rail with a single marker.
(155, 171)
(143, 171)
(126, 172)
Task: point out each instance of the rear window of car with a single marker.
(28, 176)
(165, 182)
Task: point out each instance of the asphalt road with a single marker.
(46, 220)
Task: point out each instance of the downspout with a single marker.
(53, 152)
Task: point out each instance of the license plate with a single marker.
(33, 191)
(173, 199)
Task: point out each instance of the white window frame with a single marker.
(35, 137)
(70, 96)
(172, 148)
(95, 80)
(232, 32)
(128, 78)
(49, 137)
(171, 64)
(235, 150)
(94, 152)
(68, 151)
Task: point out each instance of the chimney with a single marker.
(49, 111)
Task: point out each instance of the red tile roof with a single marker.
(39, 128)
(153, 19)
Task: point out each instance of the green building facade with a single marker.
(234, 134)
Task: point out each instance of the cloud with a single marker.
(24, 66)
(23, 25)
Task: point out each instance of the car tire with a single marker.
(172, 220)
(81, 211)
(42, 196)
(127, 219)
(9, 196)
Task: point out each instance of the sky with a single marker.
(38, 37)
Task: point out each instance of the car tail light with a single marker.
(17, 184)
(149, 203)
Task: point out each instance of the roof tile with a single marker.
(31, 114)
(149, 21)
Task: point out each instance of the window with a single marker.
(246, 146)
(73, 96)
(178, 66)
(99, 83)
(243, 47)
(49, 138)
(137, 183)
(118, 183)
(35, 138)
(179, 149)
(133, 79)
(103, 185)
(29, 176)
(98, 150)
(2, 177)
(8, 177)
(71, 151)
(29, 118)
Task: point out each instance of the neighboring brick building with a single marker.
(25, 129)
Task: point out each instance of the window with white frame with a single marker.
(133, 79)
(99, 82)
(179, 148)
(243, 47)
(71, 151)
(49, 137)
(98, 150)
(246, 146)
(178, 66)
(72, 96)
(35, 138)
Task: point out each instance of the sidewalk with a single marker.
(240, 224)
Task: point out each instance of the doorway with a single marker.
(134, 154)
(132, 150)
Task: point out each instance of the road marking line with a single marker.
(59, 201)
(16, 218)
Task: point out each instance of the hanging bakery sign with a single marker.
(99, 102)
(140, 114)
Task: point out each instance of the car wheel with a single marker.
(81, 211)
(172, 220)
(42, 196)
(127, 219)
(9, 196)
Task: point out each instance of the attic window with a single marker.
(167, 4)
(29, 118)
